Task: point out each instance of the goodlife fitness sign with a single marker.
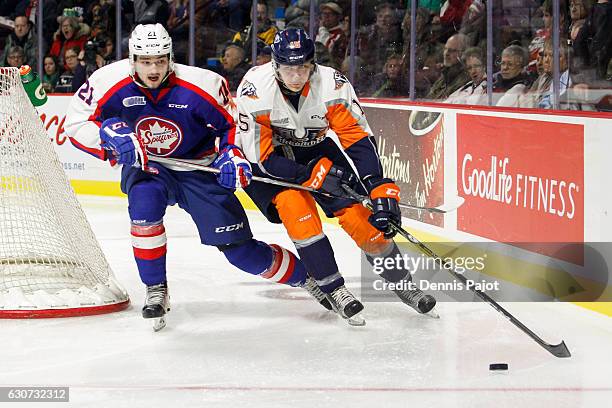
(522, 180)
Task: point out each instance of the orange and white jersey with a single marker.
(267, 119)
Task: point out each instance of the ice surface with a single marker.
(234, 340)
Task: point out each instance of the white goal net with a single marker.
(50, 262)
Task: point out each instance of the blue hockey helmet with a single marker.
(293, 47)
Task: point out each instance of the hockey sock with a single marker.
(149, 244)
(268, 261)
(321, 264)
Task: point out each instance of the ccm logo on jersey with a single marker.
(229, 228)
(134, 101)
(174, 105)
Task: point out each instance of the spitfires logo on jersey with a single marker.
(160, 136)
(249, 90)
(339, 79)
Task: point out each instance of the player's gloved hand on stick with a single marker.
(385, 196)
(235, 169)
(127, 148)
(321, 174)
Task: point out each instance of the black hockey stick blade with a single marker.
(558, 350)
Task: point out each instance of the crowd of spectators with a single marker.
(449, 59)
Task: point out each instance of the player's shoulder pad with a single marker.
(255, 82)
(204, 79)
(332, 80)
(105, 78)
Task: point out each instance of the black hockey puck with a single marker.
(498, 366)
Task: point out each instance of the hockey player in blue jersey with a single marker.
(148, 105)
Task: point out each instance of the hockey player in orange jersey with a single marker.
(302, 122)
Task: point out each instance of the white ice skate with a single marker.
(157, 304)
(347, 306)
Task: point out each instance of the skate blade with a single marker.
(356, 321)
(159, 323)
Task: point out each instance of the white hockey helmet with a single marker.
(150, 39)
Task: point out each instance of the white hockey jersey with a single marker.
(267, 119)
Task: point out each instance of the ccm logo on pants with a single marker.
(228, 228)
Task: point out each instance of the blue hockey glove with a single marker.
(321, 174)
(385, 196)
(122, 142)
(235, 169)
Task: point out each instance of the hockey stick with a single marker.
(558, 350)
(442, 209)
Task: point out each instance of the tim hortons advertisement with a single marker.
(411, 149)
(77, 164)
(522, 180)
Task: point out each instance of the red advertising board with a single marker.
(522, 180)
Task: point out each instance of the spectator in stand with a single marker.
(69, 36)
(593, 45)
(96, 17)
(512, 80)
(66, 83)
(106, 48)
(24, 37)
(51, 73)
(428, 51)
(331, 33)
(266, 30)
(234, 65)
(542, 83)
(452, 75)
(537, 44)
(264, 54)
(579, 10)
(378, 41)
(15, 57)
(178, 28)
(475, 91)
(541, 91)
(90, 59)
(567, 99)
(474, 24)
(390, 83)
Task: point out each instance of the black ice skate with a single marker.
(346, 305)
(419, 301)
(157, 304)
(311, 286)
